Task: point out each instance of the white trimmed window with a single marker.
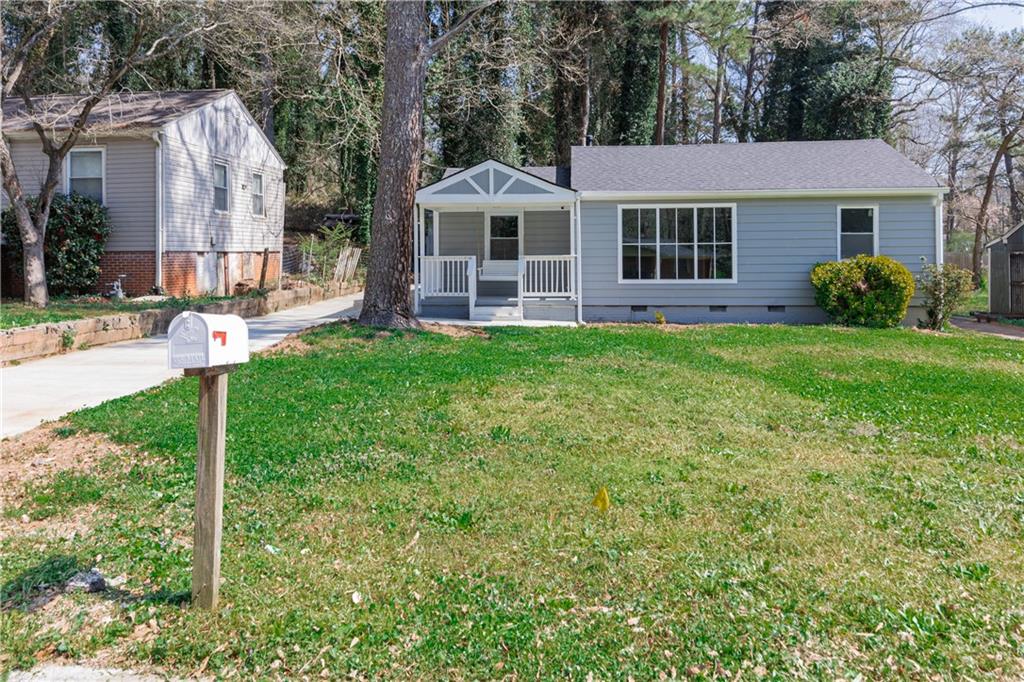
(85, 173)
(220, 186)
(858, 231)
(677, 243)
(258, 207)
(503, 237)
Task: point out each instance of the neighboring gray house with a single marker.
(194, 190)
(1006, 274)
(701, 233)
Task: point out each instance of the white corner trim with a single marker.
(678, 282)
(158, 270)
(839, 227)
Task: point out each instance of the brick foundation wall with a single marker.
(139, 266)
(179, 273)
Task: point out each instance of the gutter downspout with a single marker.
(159, 241)
(579, 262)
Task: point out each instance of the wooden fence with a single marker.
(963, 260)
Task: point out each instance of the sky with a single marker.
(1000, 18)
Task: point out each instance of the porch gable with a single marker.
(493, 182)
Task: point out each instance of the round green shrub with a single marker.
(866, 291)
(76, 237)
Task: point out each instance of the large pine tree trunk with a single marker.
(387, 299)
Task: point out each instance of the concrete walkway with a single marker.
(45, 389)
(1007, 331)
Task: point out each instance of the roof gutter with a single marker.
(159, 194)
(601, 195)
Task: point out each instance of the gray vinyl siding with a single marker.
(224, 132)
(130, 185)
(545, 233)
(461, 234)
(777, 242)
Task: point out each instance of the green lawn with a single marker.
(786, 502)
(15, 313)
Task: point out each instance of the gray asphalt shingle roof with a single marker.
(117, 112)
(845, 164)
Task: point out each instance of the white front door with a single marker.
(503, 245)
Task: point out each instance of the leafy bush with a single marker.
(945, 288)
(866, 291)
(76, 236)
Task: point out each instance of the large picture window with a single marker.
(858, 231)
(85, 173)
(677, 243)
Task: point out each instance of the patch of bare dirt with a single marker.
(289, 345)
(42, 453)
(455, 331)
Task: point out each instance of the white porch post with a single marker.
(577, 251)
(572, 246)
(417, 238)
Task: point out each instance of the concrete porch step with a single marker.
(495, 313)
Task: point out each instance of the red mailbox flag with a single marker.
(223, 336)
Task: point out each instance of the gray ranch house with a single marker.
(701, 233)
(194, 189)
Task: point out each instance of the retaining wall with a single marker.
(26, 343)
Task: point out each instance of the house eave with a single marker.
(611, 195)
(89, 133)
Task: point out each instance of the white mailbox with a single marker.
(201, 340)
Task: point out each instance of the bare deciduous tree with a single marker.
(158, 29)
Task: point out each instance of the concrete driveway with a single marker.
(42, 390)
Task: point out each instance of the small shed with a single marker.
(1006, 273)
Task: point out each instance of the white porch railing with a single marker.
(448, 276)
(548, 276)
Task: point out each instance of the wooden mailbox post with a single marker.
(208, 346)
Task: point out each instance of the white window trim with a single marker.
(657, 226)
(839, 227)
(227, 181)
(103, 169)
(263, 194)
(518, 213)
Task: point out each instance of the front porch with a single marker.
(494, 244)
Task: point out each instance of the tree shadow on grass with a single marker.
(38, 585)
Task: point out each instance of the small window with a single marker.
(258, 208)
(857, 226)
(220, 186)
(677, 243)
(85, 173)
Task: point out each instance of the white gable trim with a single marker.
(552, 193)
